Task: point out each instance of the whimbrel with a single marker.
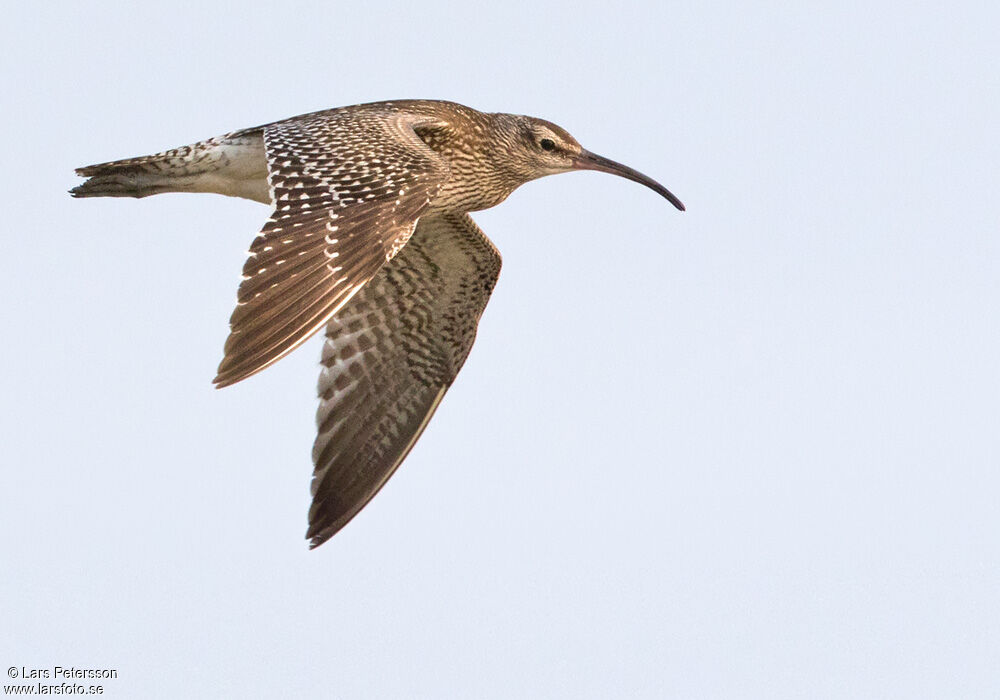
(370, 237)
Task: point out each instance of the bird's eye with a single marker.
(547, 144)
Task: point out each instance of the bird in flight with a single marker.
(369, 238)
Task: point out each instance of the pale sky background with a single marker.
(747, 451)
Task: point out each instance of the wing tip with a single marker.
(234, 369)
(225, 376)
(319, 535)
(235, 376)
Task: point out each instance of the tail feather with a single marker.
(148, 163)
(116, 180)
(234, 165)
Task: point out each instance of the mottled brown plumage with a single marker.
(370, 236)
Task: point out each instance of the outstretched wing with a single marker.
(389, 357)
(348, 187)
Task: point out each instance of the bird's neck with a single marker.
(479, 178)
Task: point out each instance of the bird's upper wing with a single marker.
(347, 188)
(390, 355)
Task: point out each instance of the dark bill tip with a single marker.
(591, 161)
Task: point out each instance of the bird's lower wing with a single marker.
(390, 355)
(347, 188)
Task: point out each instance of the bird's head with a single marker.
(535, 148)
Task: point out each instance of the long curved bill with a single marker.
(591, 161)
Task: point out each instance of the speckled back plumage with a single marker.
(348, 188)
